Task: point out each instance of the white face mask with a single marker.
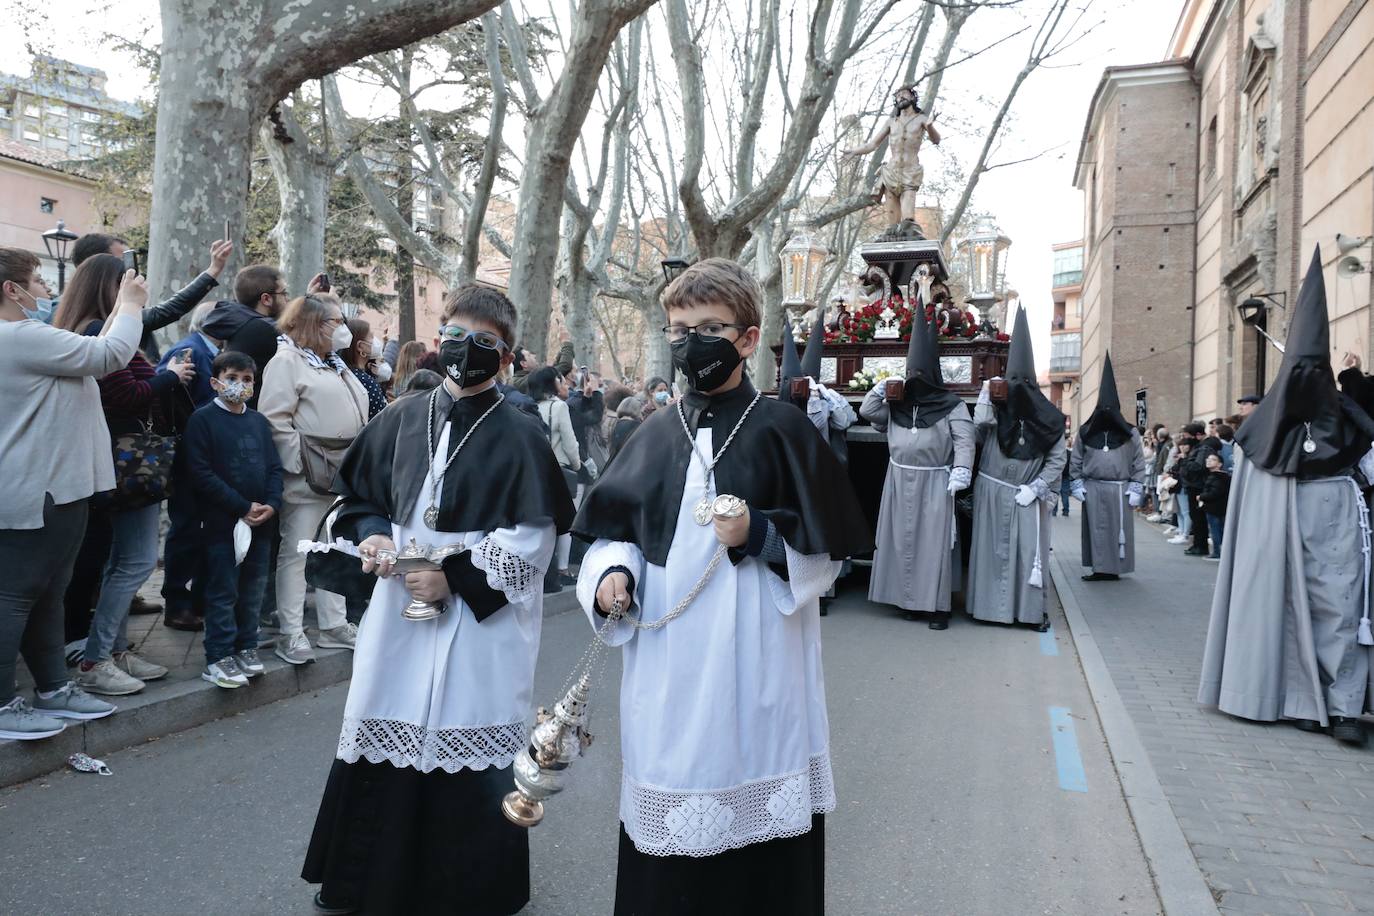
(342, 339)
(383, 371)
(42, 308)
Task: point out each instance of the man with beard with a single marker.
(902, 174)
(930, 448)
(1289, 636)
(1022, 460)
(1108, 470)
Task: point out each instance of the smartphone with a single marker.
(997, 390)
(801, 390)
(324, 282)
(226, 231)
(131, 260)
(895, 389)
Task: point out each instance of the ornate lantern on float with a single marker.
(982, 249)
(802, 258)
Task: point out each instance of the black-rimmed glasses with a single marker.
(484, 339)
(709, 331)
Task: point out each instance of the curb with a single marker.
(170, 708)
(1178, 879)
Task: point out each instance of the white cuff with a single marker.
(601, 557)
(809, 576)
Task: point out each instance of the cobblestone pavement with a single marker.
(1280, 821)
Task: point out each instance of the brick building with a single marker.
(1217, 172)
(1135, 167)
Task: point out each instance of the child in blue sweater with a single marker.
(233, 467)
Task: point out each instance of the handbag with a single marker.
(321, 457)
(335, 570)
(143, 470)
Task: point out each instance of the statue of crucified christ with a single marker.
(901, 174)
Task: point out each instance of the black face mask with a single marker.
(707, 364)
(468, 364)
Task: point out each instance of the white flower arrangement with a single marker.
(863, 380)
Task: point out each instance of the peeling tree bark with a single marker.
(224, 64)
(552, 133)
(303, 173)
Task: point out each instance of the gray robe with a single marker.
(1290, 593)
(1108, 529)
(1006, 536)
(914, 566)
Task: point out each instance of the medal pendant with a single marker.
(1104, 447)
(1309, 446)
(701, 513)
(432, 517)
(1021, 441)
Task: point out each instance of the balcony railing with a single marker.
(1068, 277)
(1065, 364)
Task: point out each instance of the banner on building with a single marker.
(1141, 412)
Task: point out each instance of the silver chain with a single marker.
(710, 466)
(429, 432)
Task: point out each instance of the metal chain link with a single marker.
(429, 433)
(710, 466)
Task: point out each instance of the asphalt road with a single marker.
(955, 797)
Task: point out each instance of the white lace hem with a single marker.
(507, 572)
(666, 822)
(405, 744)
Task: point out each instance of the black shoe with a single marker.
(1307, 725)
(1044, 625)
(1194, 552)
(1348, 731)
(912, 615)
(185, 621)
(329, 909)
(825, 604)
(939, 622)
(566, 580)
(1101, 577)
(141, 605)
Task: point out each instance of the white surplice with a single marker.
(724, 734)
(450, 693)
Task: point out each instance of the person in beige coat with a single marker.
(316, 405)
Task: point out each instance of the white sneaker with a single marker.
(1179, 539)
(108, 680)
(344, 637)
(294, 650)
(225, 673)
(1153, 517)
(139, 667)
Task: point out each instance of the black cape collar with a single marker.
(506, 475)
(776, 463)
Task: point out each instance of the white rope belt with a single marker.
(1366, 637)
(953, 523)
(1036, 578)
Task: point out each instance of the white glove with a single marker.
(959, 478)
(590, 465)
(1078, 492)
(1367, 465)
(985, 395)
(1024, 495)
(1136, 494)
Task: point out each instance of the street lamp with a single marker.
(802, 258)
(1254, 311)
(673, 268)
(56, 241)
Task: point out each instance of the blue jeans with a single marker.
(233, 594)
(1215, 523)
(1065, 494)
(133, 557)
(1185, 521)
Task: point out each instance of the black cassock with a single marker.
(392, 839)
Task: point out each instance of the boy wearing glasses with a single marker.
(724, 736)
(437, 708)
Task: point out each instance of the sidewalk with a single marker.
(1278, 820)
(182, 700)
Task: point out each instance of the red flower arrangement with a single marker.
(859, 326)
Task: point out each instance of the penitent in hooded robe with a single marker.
(1108, 461)
(1022, 445)
(929, 444)
(1292, 593)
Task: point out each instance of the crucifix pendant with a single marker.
(701, 513)
(432, 517)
